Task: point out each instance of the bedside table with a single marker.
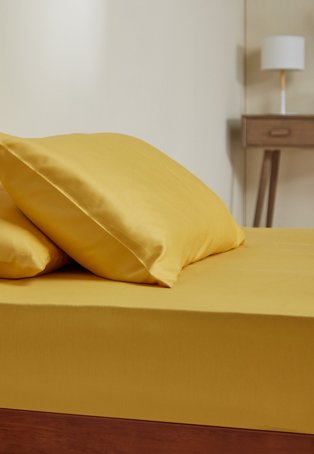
(274, 132)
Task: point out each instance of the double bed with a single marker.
(137, 316)
(222, 362)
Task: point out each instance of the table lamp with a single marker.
(283, 52)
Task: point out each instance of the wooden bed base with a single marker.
(30, 432)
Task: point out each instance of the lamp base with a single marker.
(283, 102)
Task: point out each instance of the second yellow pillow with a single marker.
(24, 250)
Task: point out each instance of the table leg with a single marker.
(264, 178)
(269, 177)
(272, 186)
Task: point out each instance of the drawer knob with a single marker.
(280, 132)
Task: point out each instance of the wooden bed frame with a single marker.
(31, 432)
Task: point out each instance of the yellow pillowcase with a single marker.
(117, 205)
(24, 250)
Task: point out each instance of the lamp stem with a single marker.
(282, 91)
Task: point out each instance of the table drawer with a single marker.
(278, 131)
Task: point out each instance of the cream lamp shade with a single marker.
(281, 53)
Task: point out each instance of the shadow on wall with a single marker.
(237, 157)
(255, 76)
(235, 151)
(240, 65)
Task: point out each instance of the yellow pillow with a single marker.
(24, 250)
(117, 205)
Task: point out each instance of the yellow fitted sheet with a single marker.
(232, 344)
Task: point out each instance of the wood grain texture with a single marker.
(27, 432)
(278, 131)
(275, 158)
(262, 188)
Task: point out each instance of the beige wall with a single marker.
(168, 71)
(294, 203)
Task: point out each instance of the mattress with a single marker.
(231, 344)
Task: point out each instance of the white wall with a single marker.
(168, 71)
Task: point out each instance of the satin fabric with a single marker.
(117, 205)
